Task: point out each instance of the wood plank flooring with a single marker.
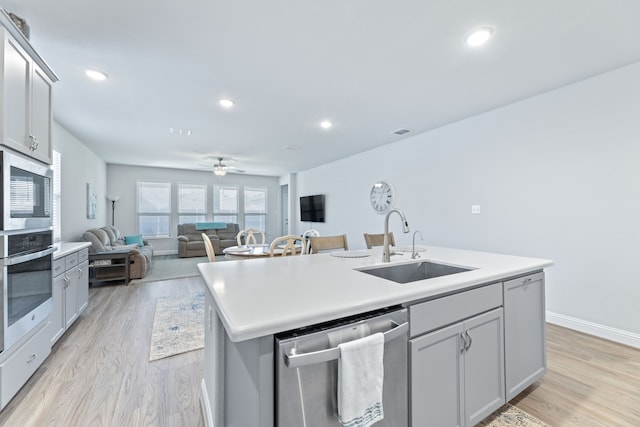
(590, 382)
(98, 374)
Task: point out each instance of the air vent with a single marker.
(401, 131)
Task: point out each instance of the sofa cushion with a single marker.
(98, 238)
(134, 239)
(228, 233)
(189, 228)
(131, 247)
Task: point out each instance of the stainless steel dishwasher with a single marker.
(307, 369)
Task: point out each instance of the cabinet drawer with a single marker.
(83, 255)
(523, 281)
(434, 314)
(16, 370)
(71, 260)
(59, 266)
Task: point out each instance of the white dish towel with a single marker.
(360, 378)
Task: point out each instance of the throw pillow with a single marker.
(135, 239)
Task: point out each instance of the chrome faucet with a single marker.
(386, 256)
(415, 254)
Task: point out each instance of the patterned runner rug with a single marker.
(178, 325)
(510, 416)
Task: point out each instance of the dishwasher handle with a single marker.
(304, 359)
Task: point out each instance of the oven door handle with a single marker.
(29, 257)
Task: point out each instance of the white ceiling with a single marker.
(370, 66)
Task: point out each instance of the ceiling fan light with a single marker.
(219, 170)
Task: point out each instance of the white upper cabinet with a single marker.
(25, 104)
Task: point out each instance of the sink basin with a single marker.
(411, 272)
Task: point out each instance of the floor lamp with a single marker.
(113, 199)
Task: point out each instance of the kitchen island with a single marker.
(248, 302)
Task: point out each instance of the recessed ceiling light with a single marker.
(325, 124)
(180, 131)
(96, 75)
(479, 36)
(226, 103)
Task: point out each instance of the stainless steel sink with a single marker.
(411, 272)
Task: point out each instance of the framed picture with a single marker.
(92, 201)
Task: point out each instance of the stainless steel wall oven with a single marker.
(26, 246)
(26, 193)
(26, 283)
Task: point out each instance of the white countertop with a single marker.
(66, 248)
(259, 297)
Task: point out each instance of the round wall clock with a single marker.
(382, 197)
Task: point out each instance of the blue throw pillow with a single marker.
(136, 238)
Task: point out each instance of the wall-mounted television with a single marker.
(312, 208)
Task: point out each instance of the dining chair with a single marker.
(378, 239)
(329, 242)
(249, 235)
(208, 246)
(286, 245)
(308, 235)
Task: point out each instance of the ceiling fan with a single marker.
(221, 169)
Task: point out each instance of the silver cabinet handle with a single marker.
(304, 359)
(463, 347)
(33, 357)
(34, 145)
(470, 341)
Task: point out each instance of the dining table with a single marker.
(251, 251)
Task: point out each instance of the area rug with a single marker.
(510, 416)
(178, 325)
(172, 268)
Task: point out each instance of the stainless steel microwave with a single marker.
(26, 193)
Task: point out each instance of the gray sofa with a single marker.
(190, 243)
(109, 238)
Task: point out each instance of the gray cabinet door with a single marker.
(483, 365)
(71, 296)
(15, 100)
(525, 345)
(41, 116)
(436, 378)
(57, 317)
(83, 286)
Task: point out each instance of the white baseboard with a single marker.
(204, 404)
(606, 332)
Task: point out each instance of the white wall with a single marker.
(79, 167)
(556, 176)
(122, 181)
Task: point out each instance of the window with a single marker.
(225, 204)
(154, 208)
(57, 196)
(255, 208)
(192, 203)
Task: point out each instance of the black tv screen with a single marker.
(312, 208)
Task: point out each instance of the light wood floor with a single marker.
(590, 382)
(98, 374)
